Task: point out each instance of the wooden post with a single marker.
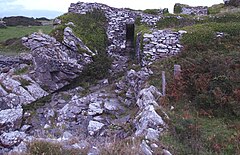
(163, 83)
(177, 71)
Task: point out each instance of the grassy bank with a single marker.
(205, 118)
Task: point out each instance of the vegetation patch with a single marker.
(90, 28)
(21, 71)
(205, 118)
(151, 11)
(48, 148)
(175, 22)
(21, 31)
(215, 9)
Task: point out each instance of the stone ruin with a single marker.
(190, 10)
(120, 32)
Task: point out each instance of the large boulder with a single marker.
(18, 90)
(54, 63)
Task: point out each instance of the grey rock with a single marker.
(148, 96)
(21, 148)
(67, 135)
(71, 41)
(145, 148)
(148, 117)
(10, 119)
(166, 152)
(152, 134)
(95, 108)
(112, 104)
(94, 127)
(24, 128)
(12, 138)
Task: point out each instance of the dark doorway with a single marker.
(130, 35)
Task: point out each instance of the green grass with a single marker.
(10, 38)
(21, 31)
(195, 132)
(215, 9)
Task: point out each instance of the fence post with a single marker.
(138, 47)
(163, 83)
(177, 71)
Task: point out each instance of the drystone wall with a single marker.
(190, 10)
(116, 30)
(160, 44)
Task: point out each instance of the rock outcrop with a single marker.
(54, 63)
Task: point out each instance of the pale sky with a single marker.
(53, 8)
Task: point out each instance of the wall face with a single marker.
(195, 10)
(160, 44)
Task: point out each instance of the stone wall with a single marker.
(116, 29)
(189, 10)
(160, 44)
